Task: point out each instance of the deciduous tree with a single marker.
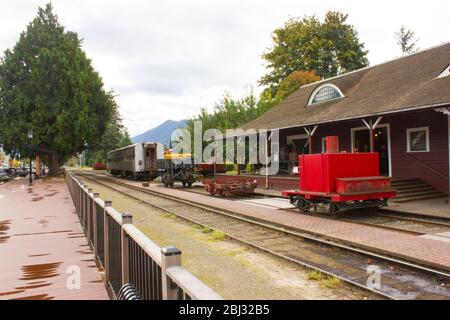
(330, 48)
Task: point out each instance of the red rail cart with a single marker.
(336, 182)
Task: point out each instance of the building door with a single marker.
(361, 143)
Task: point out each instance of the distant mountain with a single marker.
(161, 133)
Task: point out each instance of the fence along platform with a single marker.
(129, 256)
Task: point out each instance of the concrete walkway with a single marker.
(44, 254)
(439, 207)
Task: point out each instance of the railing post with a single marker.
(126, 218)
(94, 221)
(85, 206)
(89, 213)
(108, 203)
(80, 200)
(170, 257)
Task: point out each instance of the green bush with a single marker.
(230, 167)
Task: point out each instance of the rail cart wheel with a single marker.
(171, 184)
(303, 205)
(334, 209)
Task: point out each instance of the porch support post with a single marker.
(448, 121)
(372, 126)
(310, 134)
(269, 138)
(237, 156)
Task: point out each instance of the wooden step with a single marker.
(412, 189)
(418, 193)
(415, 198)
(407, 182)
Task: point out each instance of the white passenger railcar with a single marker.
(138, 161)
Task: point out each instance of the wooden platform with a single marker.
(44, 254)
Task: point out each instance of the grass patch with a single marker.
(316, 275)
(325, 280)
(218, 235)
(170, 215)
(331, 282)
(207, 230)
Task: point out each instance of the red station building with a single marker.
(400, 109)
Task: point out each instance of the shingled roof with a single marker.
(402, 84)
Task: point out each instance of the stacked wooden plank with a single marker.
(229, 188)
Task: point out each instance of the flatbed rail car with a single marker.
(336, 182)
(181, 168)
(137, 161)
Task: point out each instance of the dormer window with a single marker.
(324, 93)
(444, 73)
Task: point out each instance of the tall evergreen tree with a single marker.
(115, 136)
(48, 85)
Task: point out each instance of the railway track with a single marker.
(400, 279)
(416, 224)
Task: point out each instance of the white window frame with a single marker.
(313, 94)
(408, 139)
(324, 144)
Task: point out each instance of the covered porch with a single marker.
(413, 146)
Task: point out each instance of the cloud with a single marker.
(166, 59)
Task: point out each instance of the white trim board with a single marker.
(295, 137)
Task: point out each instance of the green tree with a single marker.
(406, 40)
(115, 136)
(294, 81)
(330, 48)
(48, 85)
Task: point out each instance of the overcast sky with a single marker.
(165, 59)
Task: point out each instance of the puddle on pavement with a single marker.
(39, 255)
(40, 271)
(35, 272)
(40, 233)
(33, 286)
(43, 222)
(10, 293)
(4, 227)
(36, 297)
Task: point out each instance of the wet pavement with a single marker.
(44, 254)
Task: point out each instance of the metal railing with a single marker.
(128, 256)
